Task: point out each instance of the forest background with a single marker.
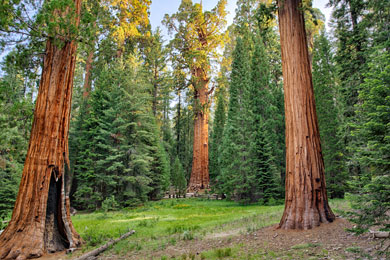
(131, 136)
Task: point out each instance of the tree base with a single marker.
(24, 244)
(306, 219)
(33, 237)
(198, 189)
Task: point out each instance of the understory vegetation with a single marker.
(165, 223)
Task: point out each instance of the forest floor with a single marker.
(210, 229)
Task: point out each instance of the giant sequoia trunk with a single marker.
(41, 219)
(88, 69)
(200, 162)
(306, 203)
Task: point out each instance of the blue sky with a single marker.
(161, 7)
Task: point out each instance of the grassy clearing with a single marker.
(163, 223)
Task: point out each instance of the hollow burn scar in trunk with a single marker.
(55, 237)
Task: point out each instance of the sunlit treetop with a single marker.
(131, 18)
(20, 20)
(197, 33)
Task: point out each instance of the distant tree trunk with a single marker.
(155, 91)
(178, 126)
(306, 204)
(200, 162)
(87, 79)
(41, 218)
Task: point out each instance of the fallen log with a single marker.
(101, 249)
(380, 234)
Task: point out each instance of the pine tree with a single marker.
(327, 102)
(178, 178)
(124, 156)
(266, 30)
(261, 121)
(216, 138)
(351, 33)
(235, 180)
(15, 124)
(370, 194)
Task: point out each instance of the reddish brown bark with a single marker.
(41, 218)
(200, 162)
(87, 80)
(306, 202)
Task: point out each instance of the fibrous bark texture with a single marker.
(87, 79)
(306, 202)
(200, 162)
(41, 218)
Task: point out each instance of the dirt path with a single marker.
(329, 241)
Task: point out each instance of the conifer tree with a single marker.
(216, 137)
(235, 179)
(370, 194)
(124, 156)
(351, 54)
(15, 123)
(178, 178)
(327, 102)
(42, 206)
(198, 34)
(306, 202)
(262, 124)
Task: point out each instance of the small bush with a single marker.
(110, 204)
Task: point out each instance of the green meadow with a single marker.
(164, 223)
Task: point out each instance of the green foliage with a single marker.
(263, 117)
(249, 147)
(327, 106)
(189, 20)
(235, 166)
(370, 194)
(183, 134)
(16, 111)
(370, 203)
(178, 178)
(110, 204)
(350, 63)
(121, 152)
(216, 139)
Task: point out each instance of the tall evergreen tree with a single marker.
(306, 202)
(42, 201)
(216, 138)
(370, 190)
(262, 124)
(178, 178)
(15, 123)
(197, 36)
(327, 102)
(235, 175)
(124, 155)
(351, 33)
